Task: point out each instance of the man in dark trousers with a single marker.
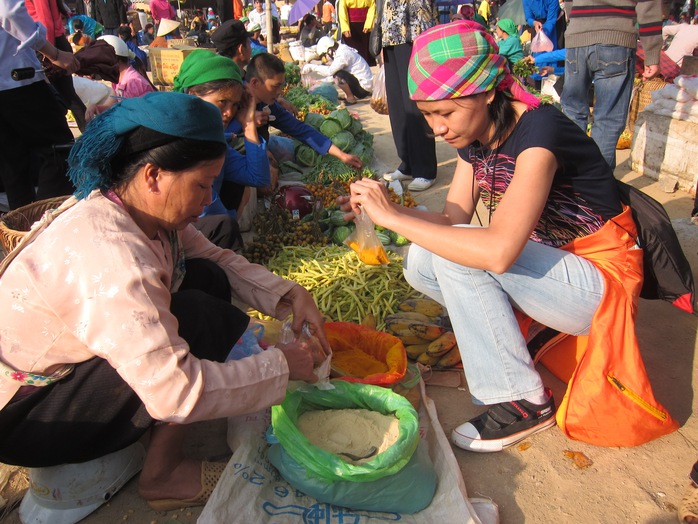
(32, 119)
(413, 137)
(111, 14)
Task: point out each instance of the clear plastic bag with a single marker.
(365, 242)
(541, 43)
(379, 98)
(322, 361)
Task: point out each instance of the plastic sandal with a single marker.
(689, 504)
(210, 473)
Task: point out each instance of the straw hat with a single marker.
(167, 26)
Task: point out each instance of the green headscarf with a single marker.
(203, 66)
(171, 115)
(508, 26)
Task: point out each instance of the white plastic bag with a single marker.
(541, 43)
(379, 98)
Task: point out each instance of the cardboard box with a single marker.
(180, 42)
(165, 62)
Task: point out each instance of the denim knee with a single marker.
(417, 265)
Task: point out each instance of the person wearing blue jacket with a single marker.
(542, 15)
(217, 80)
(550, 63)
(265, 79)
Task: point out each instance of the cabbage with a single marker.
(326, 90)
(306, 155)
(330, 127)
(342, 116)
(314, 119)
(344, 140)
(355, 126)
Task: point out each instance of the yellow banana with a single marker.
(407, 316)
(414, 350)
(450, 359)
(442, 345)
(398, 328)
(427, 359)
(426, 331)
(411, 340)
(425, 306)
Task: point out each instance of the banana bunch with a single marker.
(425, 306)
(413, 328)
(423, 327)
(442, 352)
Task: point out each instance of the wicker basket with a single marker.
(15, 224)
(641, 98)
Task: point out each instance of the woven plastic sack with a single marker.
(348, 339)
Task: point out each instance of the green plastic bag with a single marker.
(322, 464)
(408, 491)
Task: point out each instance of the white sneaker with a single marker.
(396, 175)
(420, 184)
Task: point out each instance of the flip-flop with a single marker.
(689, 504)
(210, 473)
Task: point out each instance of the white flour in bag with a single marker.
(352, 431)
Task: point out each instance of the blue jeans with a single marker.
(612, 70)
(552, 286)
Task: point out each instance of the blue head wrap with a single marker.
(174, 114)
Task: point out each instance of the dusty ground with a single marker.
(539, 484)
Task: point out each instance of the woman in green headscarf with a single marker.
(116, 313)
(509, 42)
(217, 80)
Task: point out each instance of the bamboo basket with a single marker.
(16, 223)
(641, 98)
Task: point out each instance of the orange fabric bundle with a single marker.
(609, 399)
(366, 355)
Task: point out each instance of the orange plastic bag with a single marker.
(361, 354)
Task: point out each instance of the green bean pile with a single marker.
(344, 288)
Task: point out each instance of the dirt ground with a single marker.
(538, 484)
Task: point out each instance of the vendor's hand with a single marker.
(529, 59)
(538, 26)
(300, 361)
(288, 106)
(347, 34)
(65, 60)
(307, 68)
(367, 30)
(248, 108)
(352, 161)
(305, 311)
(650, 72)
(261, 118)
(344, 204)
(546, 70)
(372, 197)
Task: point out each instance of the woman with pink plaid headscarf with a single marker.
(545, 186)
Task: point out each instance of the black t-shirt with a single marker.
(583, 195)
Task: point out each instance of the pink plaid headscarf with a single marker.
(460, 59)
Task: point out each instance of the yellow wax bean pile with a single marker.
(344, 288)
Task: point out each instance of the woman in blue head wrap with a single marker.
(116, 312)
